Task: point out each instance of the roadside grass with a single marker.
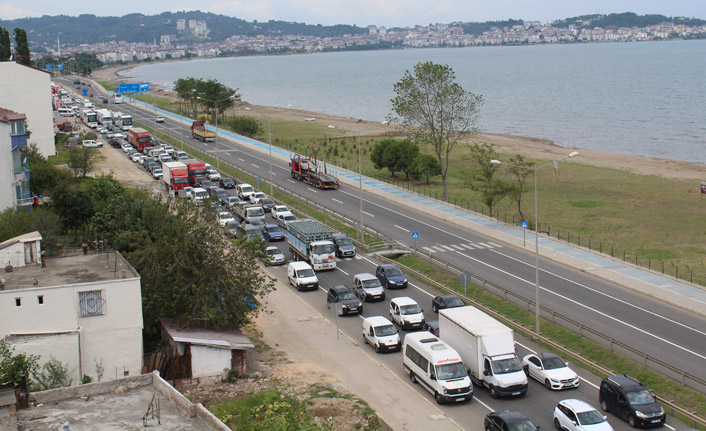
(263, 411)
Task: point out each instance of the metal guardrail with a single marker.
(686, 379)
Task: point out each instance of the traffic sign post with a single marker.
(415, 235)
(465, 279)
(524, 225)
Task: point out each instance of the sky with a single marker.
(390, 13)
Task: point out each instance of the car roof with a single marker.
(577, 406)
(269, 225)
(339, 235)
(244, 185)
(377, 321)
(545, 356)
(271, 247)
(388, 265)
(626, 382)
(365, 276)
(448, 296)
(403, 300)
(511, 416)
(341, 288)
(299, 265)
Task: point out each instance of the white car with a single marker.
(550, 370)
(136, 157)
(157, 173)
(406, 312)
(283, 219)
(224, 217)
(381, 334)
(102, 130)
(275, 256)
(577, 415)
(126, 146)
(256, 197)
(214, 175)
(91, 143)
(368, 287)
(277, 209)
(159, 119)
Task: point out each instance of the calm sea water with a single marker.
(633, 98)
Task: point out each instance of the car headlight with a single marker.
(344, 306)
(500, 382)
(554, 380)
(446, 391)
(640, 415)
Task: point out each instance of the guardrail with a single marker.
(686, 379)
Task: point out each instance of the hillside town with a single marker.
(437, 35)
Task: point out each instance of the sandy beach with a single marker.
(529, 147)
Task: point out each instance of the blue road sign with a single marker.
(134, 88)
(60, 67)
(48, 66)
(415, 235)
(145, 86)
(85, 92)
(524, 224)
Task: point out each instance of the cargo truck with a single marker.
(139, 138)
(199, 131)
(197, 171)
(249, 213)
(175, 176)
(487, 348)
(310, 240)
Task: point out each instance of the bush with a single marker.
(246, 126)
(54, 375)
(13, 367)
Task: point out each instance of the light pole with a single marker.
(215, 106)
(269, 140)
(536, 229)
(360, 185)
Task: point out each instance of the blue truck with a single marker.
(311, 241)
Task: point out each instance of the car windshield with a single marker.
(410, 309)
(590, 417)
(254, 234)
(367, 284)
(322, 249)
(640, 398)
(454, 302)
(451, 371)
(524, 425)
(272, 251)
(256, 212)
(306, 272)
(224, 216)
(180, 180)
(393, 271)
(273, 229)
(267, 201)
(344, 241)
(289, 218)
(384, 331)
(504, 366)
(246, 190)
(553, 363)
(281, 209)
(347, 295)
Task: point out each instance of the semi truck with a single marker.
(199, 131)
(89, 118)
(197, 171)
(311, 241)
(175, 176)
(311, 172)
(139, 138)
(105, 117)
(487, 348)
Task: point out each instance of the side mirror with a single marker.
(432, 377)
(486, 373)
(605, 418)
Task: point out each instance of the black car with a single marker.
(346, 297)
(104, 100)
(205, 184)
(227, 183)
(508, 421)
(267, 204)
(628, 399)
(391, 276)
(432, 326)
(446, 301)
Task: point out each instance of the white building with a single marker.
(26, 89)
(85, 311)
(14, 182)
(181, 24)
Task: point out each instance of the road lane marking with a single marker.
(494, 244)
(315, 191)
(485, 245)
(337, 201)
(446, 247)
(468, 246)
(428, 249)
(242, 160)
(368, 214)
(339, 268)
(400, 227)
(291, 181)
(456, 247)
(255, 166)
(437, 248)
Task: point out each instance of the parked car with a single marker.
(159, 119)
(267, 204)
(344, 245)
(279, 209)
(283, 219)
(272, 232)
(550, 370)
(274, 256)
(231, 229)
(577, 415)
(406, 312)
(91, 143)
(628, 399)
(225, 217)
(227, 183)
(256, 197)
(344, 299)
(391, 276)
(381, 334)
(432, 326)
(446, 301)
(508, 421)
(368, 287)
(157, 173)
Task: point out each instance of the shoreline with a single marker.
(507, 144)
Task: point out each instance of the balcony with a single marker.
(18, 141)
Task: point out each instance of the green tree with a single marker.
(13, 367)
(81, 161)
(436, 109)
(245, 125)
(407, 151)
(519, 171)
(21, 46)
(73, 205)
(5, 46)
(210, 95)
(424, 165)
(43, 176)
(482, 176)
(41, 219)
(53, 375)
(377, 154)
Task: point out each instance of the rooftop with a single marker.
(91, 268)
(228, 338)
(8, 116)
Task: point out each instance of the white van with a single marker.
(407, 313)
(244, 191)
(199, 195)
(437, 367)
(381, 334)
(66, 112)
(301, 275)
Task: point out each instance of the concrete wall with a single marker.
(209, 361)
(7, 176)
(26, 90)
(62, 347)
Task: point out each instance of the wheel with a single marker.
(632, 421)
(493, 391)
(438, 398)
(547, 384)
(412, 377)
(557, 425)
(365, 339)
(526, 370)
(604, 405)
(434, 308)
(377, 348)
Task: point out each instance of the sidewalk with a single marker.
(306, 336)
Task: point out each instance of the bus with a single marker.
(117, 98)
(124, 121)
(89, 118)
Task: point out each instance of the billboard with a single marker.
(140, 87)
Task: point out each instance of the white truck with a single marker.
(310, 240)
(174, 176)
(487, 348)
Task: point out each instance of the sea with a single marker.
(637, 98)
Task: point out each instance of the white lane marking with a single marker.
(468, 246)
(339, 268)
(447, 248)
(400, 227)
(437, 248)
(315, 191)
(428, 249)
(456, 247)
(421, 290)
(368, 214)
(242, 160)
(357, 257)
(291, 181)
(478, 246)
(227, 154)
(485, 245)
(600, 313)
(494, 244)
(337, 201)
(274, 173)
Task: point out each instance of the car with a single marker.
(159, 119)
(550, 370)
(250, 233)
(577, 415)
(368, 287)
(256, 197)
(102, 130)
(628, 399)
(244, 190)
(227, 183)
(130, 152)
(267, 204)
(508, 421)
(284, 219)
(278, 209)
(104, 100)
(391, 276)
(431, 326)
(302, 276)
(146, 161)
(151, 167)
(182, 155)
(219, 193)
(91, 143)
(274, 256)
(232, 202)
(446, 301)
(406, 312)
(136, 156)
(257, 223)
(231, 229)
(214, 175)
(165, 158)
(381, 334)
(225, 217)
(117, 142)
(126, 146)
(157, 173)
(343, 244)
(204, 183)
(272, 232)
(344, 299)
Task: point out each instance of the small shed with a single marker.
(21, 250)
(198, 351)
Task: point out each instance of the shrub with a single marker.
(246, 126)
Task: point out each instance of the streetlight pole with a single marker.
(536, 232)
(269, 140)
(360, 185)
(215, 107)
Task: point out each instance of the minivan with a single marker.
(301, 275)
(344, 299)
(381, 334)
(628, 399)
(344, 245)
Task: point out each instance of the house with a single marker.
(85, 311)
(27, 89)
(14, 186)
(196, 352)
(21, 250)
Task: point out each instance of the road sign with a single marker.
(48, 66)
(556, 164)
(85, 92)
(524, 224)
(134, 88)
(60, 67)
(415, 235)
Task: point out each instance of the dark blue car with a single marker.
(272, 232)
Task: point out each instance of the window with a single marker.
(91, 303)
(18, 302)
(40, 299)
(18, 128)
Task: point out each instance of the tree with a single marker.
(73, 205)
(54, 375)
(41, 219)
(407, 151)
(21, 46)
(81, 161)
(394, 154)
(424, 165)
(211, 95)
(520, 171)
(377, 154)
(482, 177)
(436, 109)
(245, 125)
(13, 367)
(5, 46)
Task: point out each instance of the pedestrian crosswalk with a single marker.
(461, 247)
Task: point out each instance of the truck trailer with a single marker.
(199, 131)
(310, 240)
(175, 176)
(311, 172)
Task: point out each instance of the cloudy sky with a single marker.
(361, 12)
